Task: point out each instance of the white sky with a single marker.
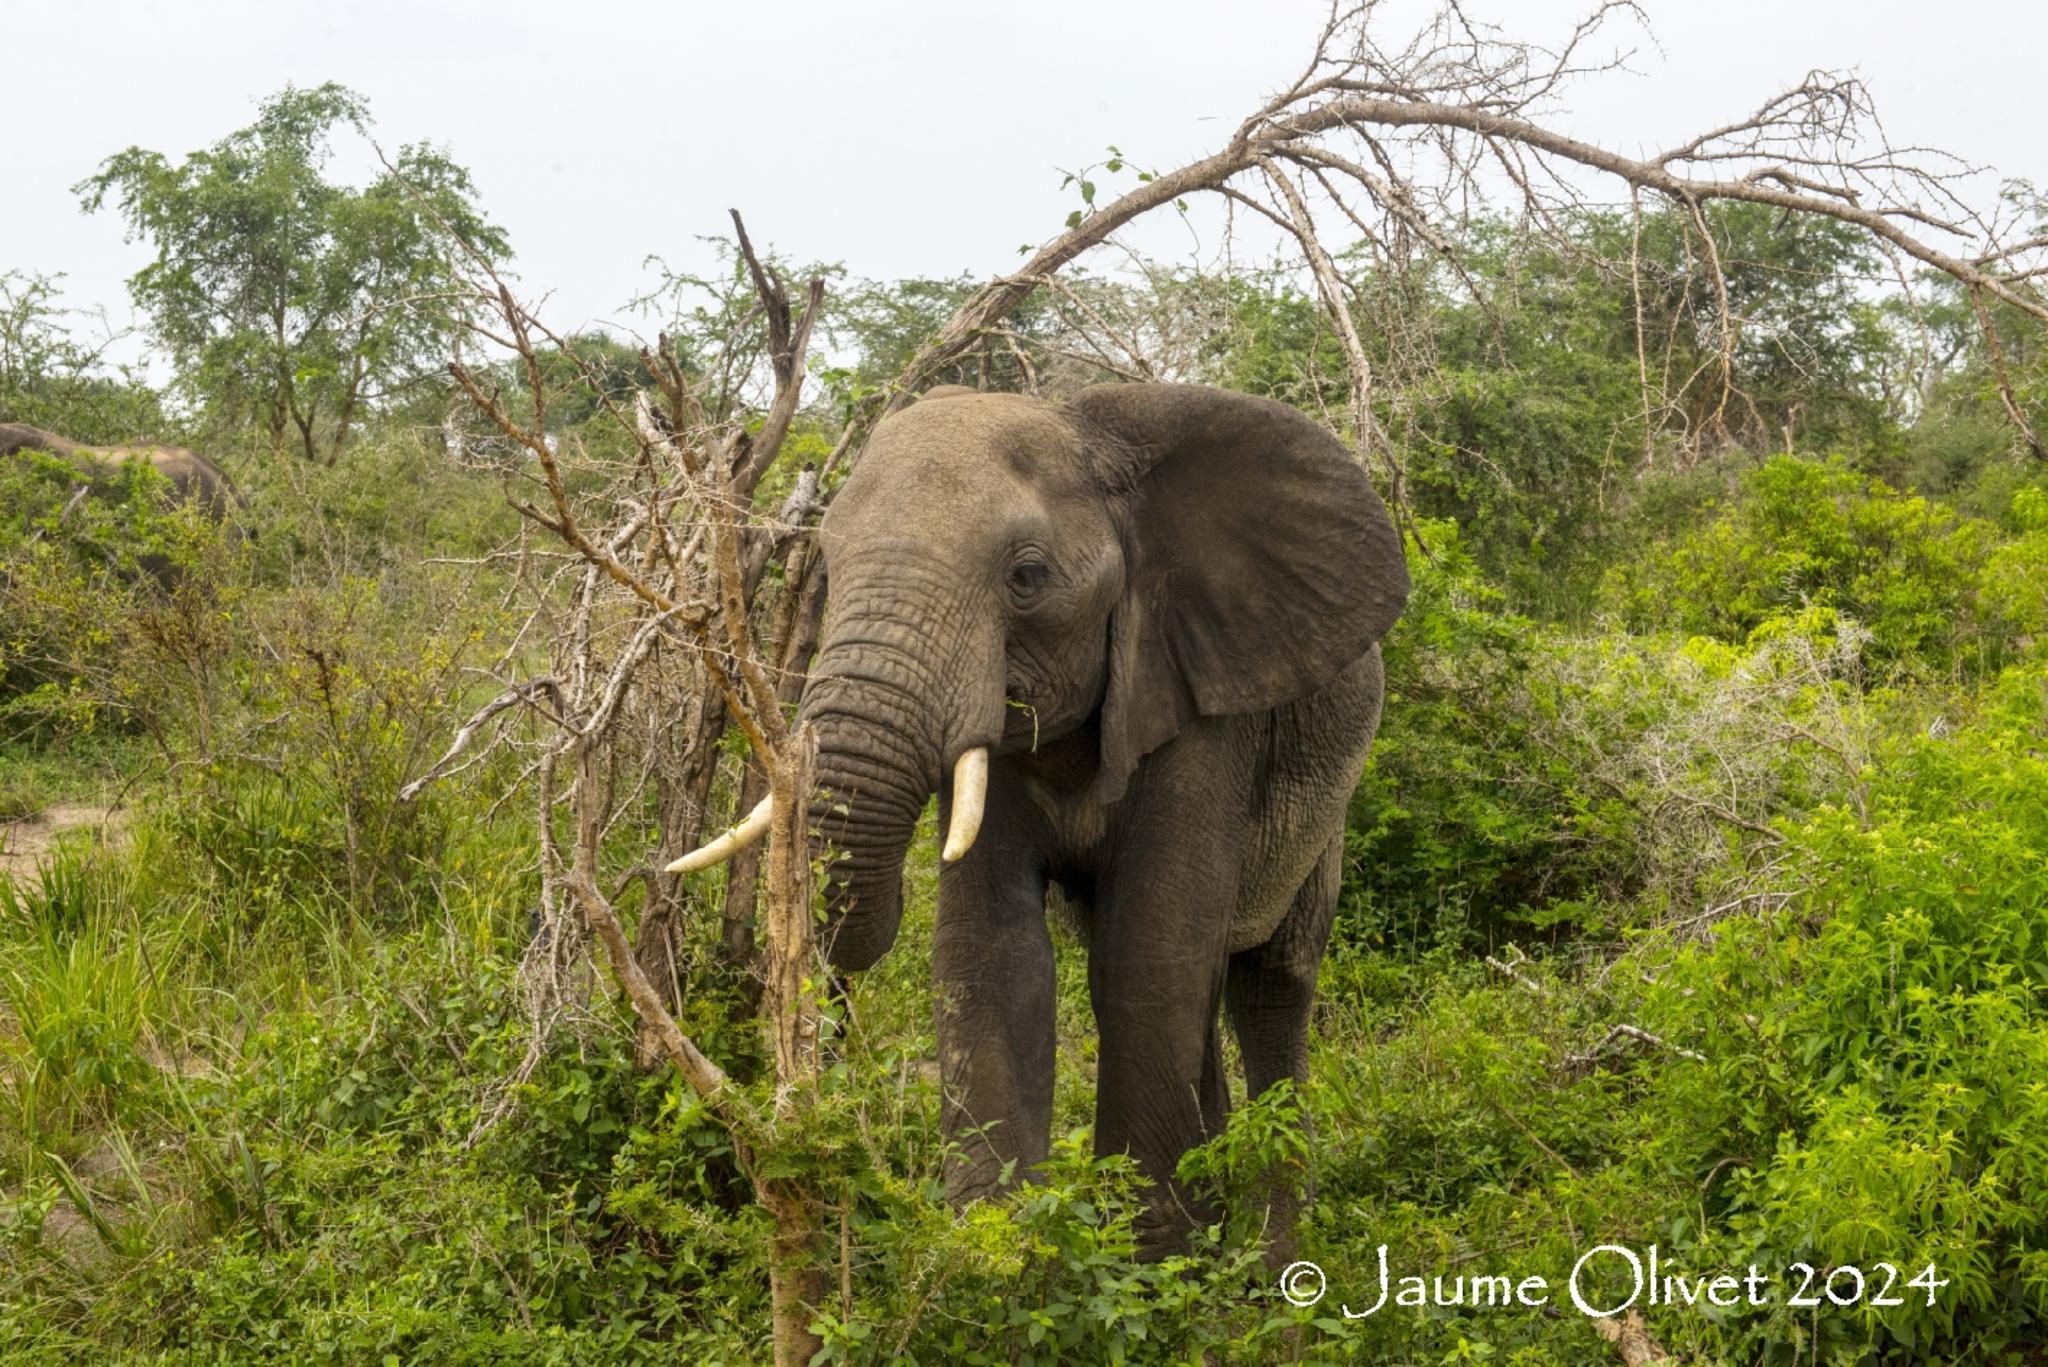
(899, 138)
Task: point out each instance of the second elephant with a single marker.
(193, 478)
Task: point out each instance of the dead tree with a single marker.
(1397, 143)
(644, 601)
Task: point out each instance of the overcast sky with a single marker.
(897, 138)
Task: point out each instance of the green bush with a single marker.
(114, 607)
(1908, 567)
(1878, 1045)
(1436, 848)
(1535, 780)
(1046, 1276)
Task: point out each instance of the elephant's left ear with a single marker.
(1260, 560)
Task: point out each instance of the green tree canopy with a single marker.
(283, 298)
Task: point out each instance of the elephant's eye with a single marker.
(1028, 576)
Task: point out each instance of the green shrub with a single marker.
(1879, 1045)
(1536, 780)
(1045, 1275)
(1803, 532)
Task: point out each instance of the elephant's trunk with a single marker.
(878, 761)
(886, 715)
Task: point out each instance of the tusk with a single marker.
(970, 793)
(731, 843)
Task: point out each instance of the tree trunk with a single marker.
(797, 1273)
(347, 419)
(800, 616)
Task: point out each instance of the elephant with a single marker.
(193, 478)
(1140, 631)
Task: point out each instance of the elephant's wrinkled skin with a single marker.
(193, 478)
(1160, 606)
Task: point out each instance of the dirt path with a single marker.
(23, 843)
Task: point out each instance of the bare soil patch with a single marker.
(25, 842)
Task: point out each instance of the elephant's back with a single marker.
(19, 436)
(197, 479)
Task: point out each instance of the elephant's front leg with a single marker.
(1159, 946)
(992, 967)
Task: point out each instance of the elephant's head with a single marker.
(1005, 571)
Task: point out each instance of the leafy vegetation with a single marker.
(1696, 891)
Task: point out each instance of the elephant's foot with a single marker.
(1166, 1226)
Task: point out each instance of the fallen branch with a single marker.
(1513, 973)
(2013, 412)
(1623, 1030)
(1458, 99)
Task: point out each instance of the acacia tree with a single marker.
(283, 298)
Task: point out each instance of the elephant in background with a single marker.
(1139, 630)
(193, 478)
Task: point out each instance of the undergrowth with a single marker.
(1718, 922)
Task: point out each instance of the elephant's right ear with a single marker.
(1259, 559)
